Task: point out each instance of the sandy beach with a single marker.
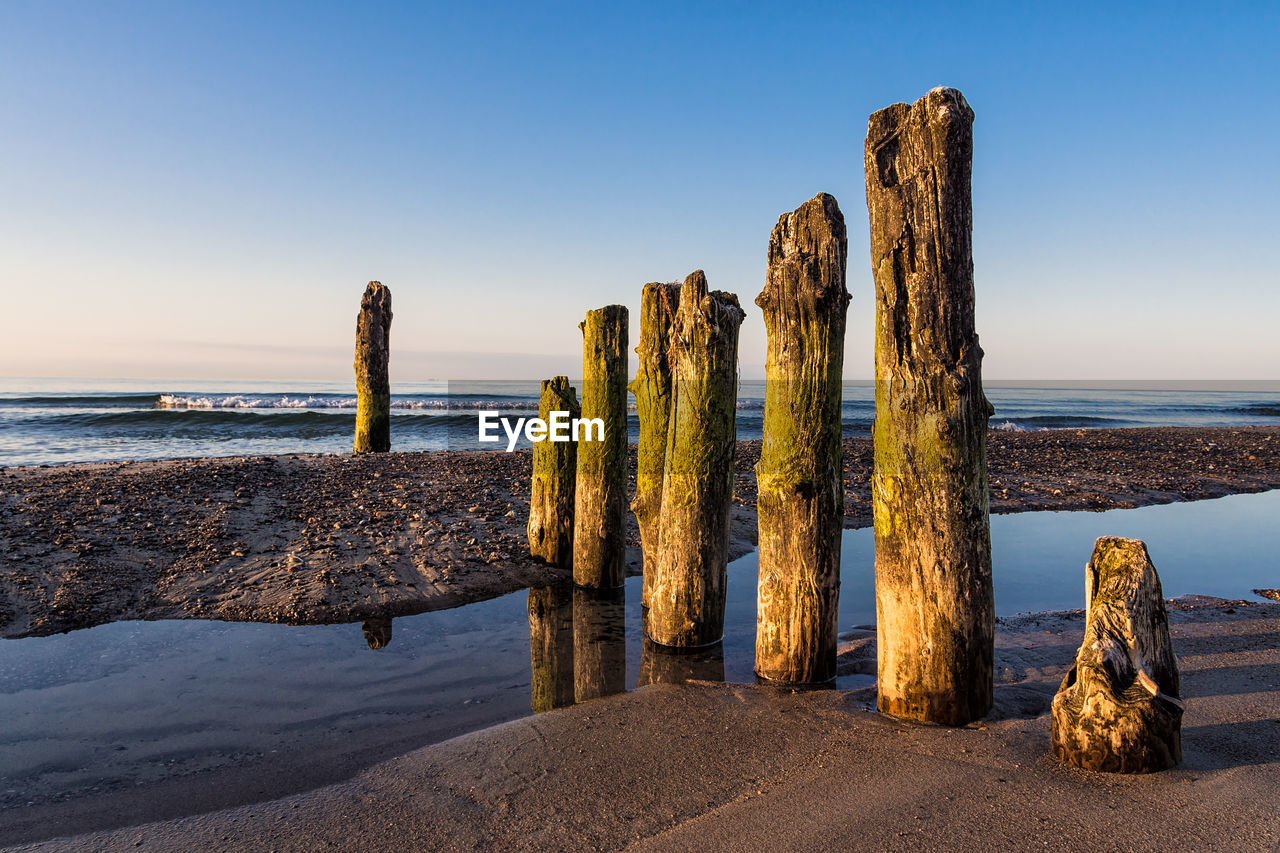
(306, 539)
(733, 767)
(334, 538)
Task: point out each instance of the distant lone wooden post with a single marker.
(935, 615)
(686, 601)
(1119, 709)
(652, 390)
(555, 469)
(800, 475)
(600, 492)
(373, 388)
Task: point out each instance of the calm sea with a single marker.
(58, 421)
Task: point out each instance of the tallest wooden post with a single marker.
(935, 615)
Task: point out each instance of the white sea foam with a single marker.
(241, 401)
(284, 401)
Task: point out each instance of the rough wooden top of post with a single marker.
(938, 164)
(658, 304)
(806, 263)
(1123, 583)
(377, 297)
(607, 322)
(714, 314)
(373, 327)
(804, 302)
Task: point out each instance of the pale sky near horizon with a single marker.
(202, 190)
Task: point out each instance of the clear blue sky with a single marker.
(202, 189)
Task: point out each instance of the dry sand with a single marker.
(306, 539)
(706, 767)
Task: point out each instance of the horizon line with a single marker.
(1028, 382)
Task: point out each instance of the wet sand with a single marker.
(324, 538)
(729, 767)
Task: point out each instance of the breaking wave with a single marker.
(242, 401)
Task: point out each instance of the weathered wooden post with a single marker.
(551, 646)
(373, 388)
(600, 492)
(800, 474)
(599, 642)
(377, 632)
(1119, 709)
(662, 665)
(652, 390)
(935, 616)
(686, 601)
(555, 468)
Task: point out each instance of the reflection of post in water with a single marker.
(664, 665)
(377, 632)
(551, 646)
(599, 643)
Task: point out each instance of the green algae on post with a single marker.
(555, 469)
(373, 388)
(600, 491)
(652, 390)
(686, 602)
(935, 614)
(800, 475)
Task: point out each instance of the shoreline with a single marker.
(306, 539)
(707, 767)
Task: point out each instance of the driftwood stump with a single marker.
(600, 492)
(800, 472)
(686, 600)
(599, 643)
(1119, 709)
(555, 469)
(935, 614)
(373, 388)
(652, 390)
(551, 646)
